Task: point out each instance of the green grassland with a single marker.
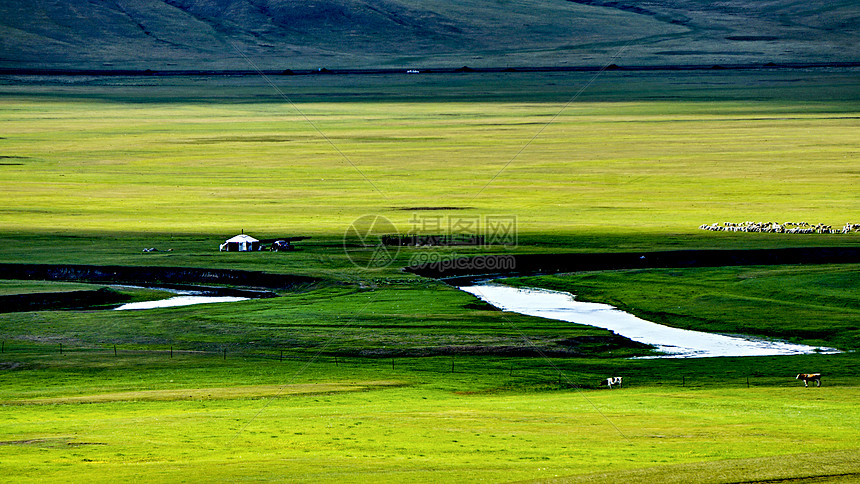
(96, 160)
(376, 374)
(29, 287)
(95, 416)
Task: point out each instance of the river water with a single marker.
(183, 298)
(675, 342)
(562, 306)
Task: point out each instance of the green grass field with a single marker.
(376, 374)
(195, 417)
(30, 287)
(103, 159)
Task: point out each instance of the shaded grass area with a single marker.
(398, 320)
(814, 305)
(97, 299)
(30, 295)
(815, 87)
(44, 370)
(330, 258)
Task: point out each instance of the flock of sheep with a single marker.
(778, 228)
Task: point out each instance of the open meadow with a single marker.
(373, 373)
(637, 153)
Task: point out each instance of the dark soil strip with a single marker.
(60, 300)
(466, 270)
(163, 276)
(413, 209)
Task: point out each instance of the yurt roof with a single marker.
(242, 238)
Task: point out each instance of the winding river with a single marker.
(675, 342)
(562, 306)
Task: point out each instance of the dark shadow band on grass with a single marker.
(30, 71)
(175, 277)
(61, 300)
(465, 271)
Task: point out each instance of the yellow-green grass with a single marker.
(243, 392)
(144, 415)
(420, 433)
(818, 467)
(97, 171)
(98, 159)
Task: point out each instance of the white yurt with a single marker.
(240, 243)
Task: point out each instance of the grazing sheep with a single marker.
(777, 228)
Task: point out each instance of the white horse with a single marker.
(615, 380)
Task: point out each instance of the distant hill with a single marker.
(307, 34)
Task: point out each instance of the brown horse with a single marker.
(808, 377)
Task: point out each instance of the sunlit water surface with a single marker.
(675, 342)
(182, 298)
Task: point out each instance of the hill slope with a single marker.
(275, 34)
